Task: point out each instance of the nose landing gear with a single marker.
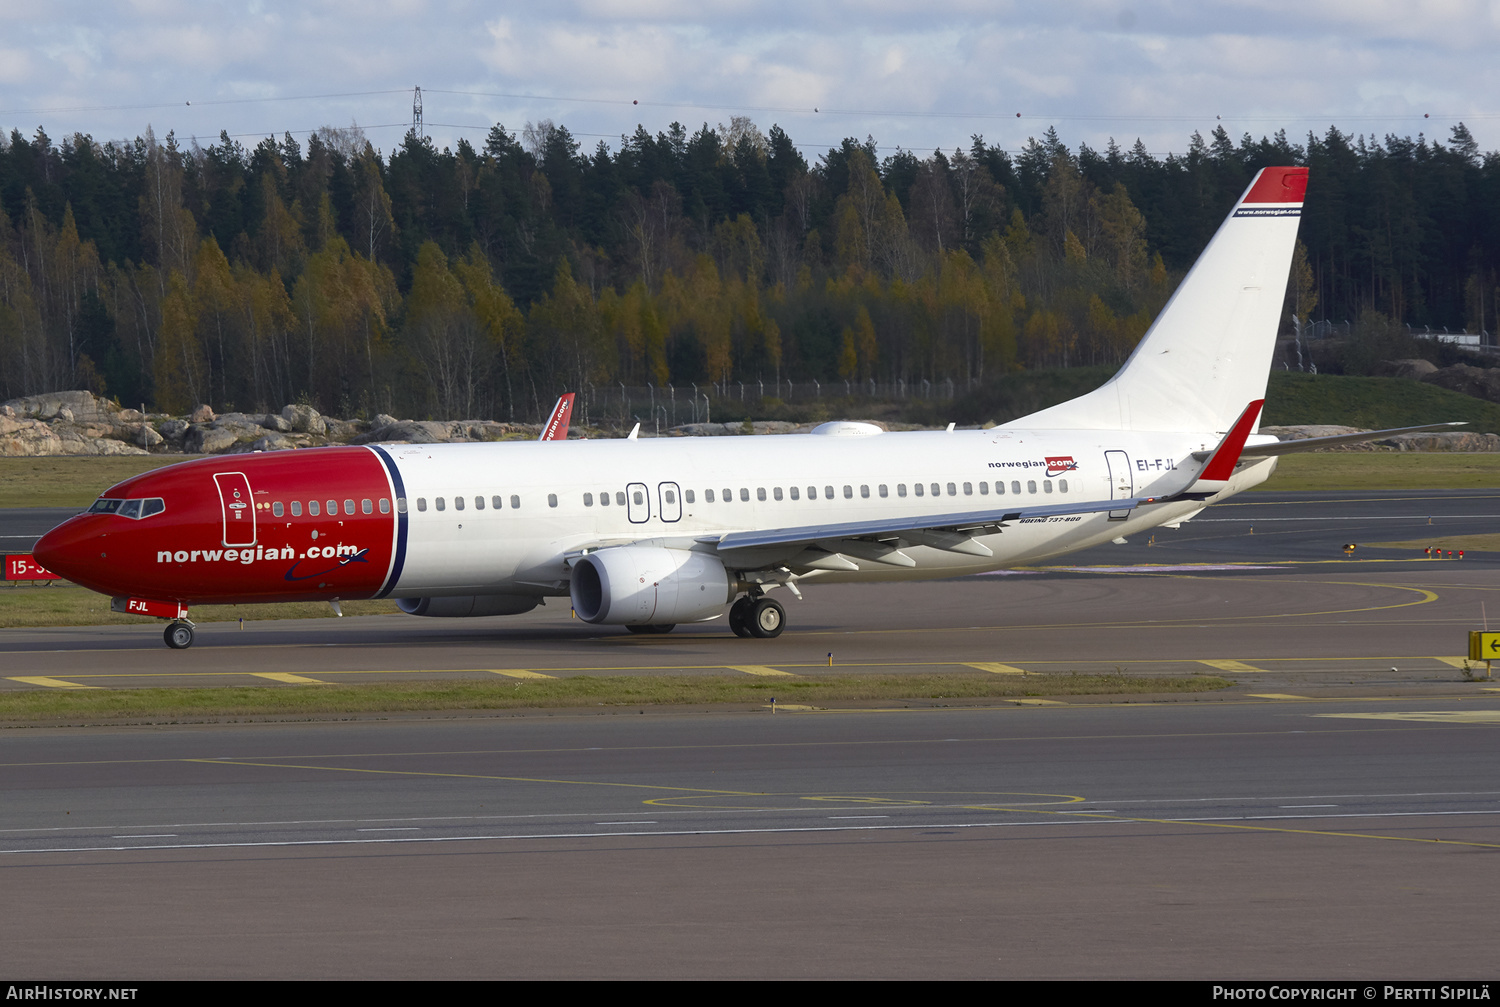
(179, 635)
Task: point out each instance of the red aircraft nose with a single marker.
(74, 549)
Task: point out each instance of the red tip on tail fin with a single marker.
(1279, 185)
(556, 427)
(1221, 464)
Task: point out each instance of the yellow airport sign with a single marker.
(1484, 646)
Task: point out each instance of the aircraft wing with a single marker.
(881, 539)
(1314, 443)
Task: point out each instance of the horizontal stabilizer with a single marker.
(1316, 443)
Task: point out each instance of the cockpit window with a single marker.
(134, 509)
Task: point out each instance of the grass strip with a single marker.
(1326, 471)
(330, 701)
(63, 604)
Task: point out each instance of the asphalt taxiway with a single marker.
(1331, 816)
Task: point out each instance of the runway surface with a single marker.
(1280, 839)
(1333, 816)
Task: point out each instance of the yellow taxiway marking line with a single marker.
(1031, 702)
(757, 669)
(994, 668)
(1275, 695)
(287, 677)
(517, 673)
(471, 776)
(51, 683)
(1428, 716)
(1240, 666)
(773, 707)
(1456, 662)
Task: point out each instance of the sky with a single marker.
(917, 79)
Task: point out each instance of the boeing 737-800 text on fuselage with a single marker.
(650, 533)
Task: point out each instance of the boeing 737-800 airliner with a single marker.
(650, 533)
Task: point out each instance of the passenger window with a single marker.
(588, 499)
(638, 497)
(952, 490)
(776, 492)
(883, 492)
(999, 488)
(671, 497)
(1062, 486)
(458, 503)
(551, 499)
(421, 503)
(937, 490)
(1015, 486)
(796, 493)
(312, 508)
(984, 489)
(745, 495)
(495, 502)
(1031, 486)
(812, 493)
(604, 499)
(708, 495)
(276, 509)
(515, 501)
(968, 489)
(760, 494)
(333, 508)
(385, 505)
(401, 505)
(479, 503)
(688, 495)
(366, 506)
(441, 504)
(619, 499)
(296, 508)
(728, 495)
(917, 489)
(864, 492)
(1046, 485)
(828, 492)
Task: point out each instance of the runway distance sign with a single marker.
(20, 566)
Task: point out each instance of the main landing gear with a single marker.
(179, 635)
(757, 616)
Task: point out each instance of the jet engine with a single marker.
(649, 585)
(469, 605)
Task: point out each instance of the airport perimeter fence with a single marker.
(674, 405)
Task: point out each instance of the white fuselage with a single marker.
(678, 491)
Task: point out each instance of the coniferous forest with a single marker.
(482, 282)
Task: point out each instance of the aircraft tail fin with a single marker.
(1209, 351)
(556, 427)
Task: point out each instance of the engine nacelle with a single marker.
(469, 605)
(649, 585)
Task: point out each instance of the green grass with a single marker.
(70, 481)
(63, 604)
(1383, 470)
(322, 701)
(1372, 403)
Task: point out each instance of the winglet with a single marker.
(556, 427)
(1221, 463)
